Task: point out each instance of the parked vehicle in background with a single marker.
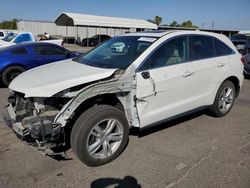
(241, 42)
(16, 59)
(118, 47)
(246, 60)
(93, 41)
(13, 38)
(95, 99)
(2, 34)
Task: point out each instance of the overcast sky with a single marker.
(227, 14)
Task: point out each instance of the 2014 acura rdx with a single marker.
(94, 100)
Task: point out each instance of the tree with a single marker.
(174, 24)
(149, 20)
(9, 24)
(157, 20)
(188, 24)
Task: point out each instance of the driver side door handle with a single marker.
(187, 74)
(220, 65)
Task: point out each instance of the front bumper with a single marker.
(29, 127)
(9, 117)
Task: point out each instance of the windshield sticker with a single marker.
(147, 39)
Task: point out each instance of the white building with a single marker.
(81, 26)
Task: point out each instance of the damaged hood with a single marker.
(50, 79)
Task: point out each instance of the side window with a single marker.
(221, 48)
(201, 47)
(19, 51)
(23, 38)
(49, 50)
(172, 52)
(1, 34)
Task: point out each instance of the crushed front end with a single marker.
(32, 119)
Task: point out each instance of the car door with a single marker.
(162, 82)
(205, 68)
(49, 53)
(19, 56)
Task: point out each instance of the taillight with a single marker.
(243, 60)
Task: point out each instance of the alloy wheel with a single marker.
(105, 138)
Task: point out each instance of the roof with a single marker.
(73, 19)
(155, 33)
(164, 27)
(161, 33)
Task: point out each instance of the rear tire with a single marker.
(99, 135)
(224, 99)
(10, 73)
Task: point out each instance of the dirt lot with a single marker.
(195, 151)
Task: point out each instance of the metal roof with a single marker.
(73, 19)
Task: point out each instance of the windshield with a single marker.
(118, 52)
(9, 37)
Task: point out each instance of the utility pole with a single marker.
(212, 24)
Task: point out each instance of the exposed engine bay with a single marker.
(32, 119)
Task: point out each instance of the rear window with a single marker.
(201, 47)
(221, 48)
(1, 34)
(19, 51)
(49, 50)
(23, 38)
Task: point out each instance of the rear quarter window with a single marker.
(201, 47)
(19, 51)
(221, 48)
(49, 50)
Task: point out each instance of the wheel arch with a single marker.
(109, 99)
(236, 83)
(13, 65)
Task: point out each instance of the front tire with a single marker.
(10, 73)
(99, 135)
(224, 99)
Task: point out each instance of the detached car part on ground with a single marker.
(91, 102)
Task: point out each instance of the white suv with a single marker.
(91, 102)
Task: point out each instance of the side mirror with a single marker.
(145, 75)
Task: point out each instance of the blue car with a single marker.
(20, 57)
